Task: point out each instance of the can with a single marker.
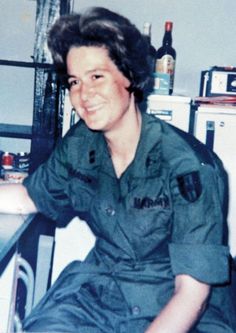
(22, 161)
(7, 161)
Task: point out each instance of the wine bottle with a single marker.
(166, 56)
(151, 58)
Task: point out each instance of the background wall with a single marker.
(17, 22)
(17, 27)
(204, 35)
(204, 32)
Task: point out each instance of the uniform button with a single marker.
(110, 211)
(136, 310)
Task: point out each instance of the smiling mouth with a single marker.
(93, 108)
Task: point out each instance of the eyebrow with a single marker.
(88, 72)
(68, 76)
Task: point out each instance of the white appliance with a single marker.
(171, 108)
(216, 126)
(6, 295)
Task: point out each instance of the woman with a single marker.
(153, 196)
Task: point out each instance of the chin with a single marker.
(93, 127)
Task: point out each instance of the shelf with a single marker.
(25, 64)
(16, 131)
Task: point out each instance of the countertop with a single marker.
(11, 228)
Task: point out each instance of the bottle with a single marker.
(147, 28)
(166, 56)
(151, 60)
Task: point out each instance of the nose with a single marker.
(86, 91)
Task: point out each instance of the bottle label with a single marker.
(161, 83)
(166, 64)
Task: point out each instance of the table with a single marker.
(12, 227)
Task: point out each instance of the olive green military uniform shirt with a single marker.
(163, 217)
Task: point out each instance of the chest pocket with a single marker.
(82, 188)
(149, 215)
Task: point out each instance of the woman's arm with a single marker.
(14, 199)
(183, 309)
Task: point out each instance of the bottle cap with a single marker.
(168, 25)
(147, 28)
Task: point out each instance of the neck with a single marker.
(123, 144)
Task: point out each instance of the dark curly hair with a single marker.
(101, 27)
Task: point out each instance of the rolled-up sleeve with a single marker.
(206, 263)
(197, 247)
(47, 186)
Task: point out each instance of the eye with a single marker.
(96, 77)
(72, 83)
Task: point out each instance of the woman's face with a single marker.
(98, 90)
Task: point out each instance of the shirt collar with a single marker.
(148, 154)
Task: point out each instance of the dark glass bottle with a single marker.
(166, 56)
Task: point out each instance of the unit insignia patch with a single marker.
(190, 186)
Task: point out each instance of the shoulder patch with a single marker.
(190, 186)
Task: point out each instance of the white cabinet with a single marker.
(216, 126)
(173, 109)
